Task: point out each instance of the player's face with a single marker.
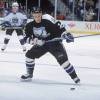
(14, 9)
(37, 17)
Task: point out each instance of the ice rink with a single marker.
(50, 81)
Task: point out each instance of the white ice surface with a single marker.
(50, 81)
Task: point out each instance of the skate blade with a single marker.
(2, 50)
(26, 80)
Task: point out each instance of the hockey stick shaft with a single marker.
(86, 35)
(60, 39)
(12, 28)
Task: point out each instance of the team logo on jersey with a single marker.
(14, 20)
(40, 32)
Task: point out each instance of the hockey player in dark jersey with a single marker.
(14, 21)
(38, 32)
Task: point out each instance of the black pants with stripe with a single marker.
(56, 49)
(18, 31)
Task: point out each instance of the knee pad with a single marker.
(65, 64)
(62, 58)
(8, 36)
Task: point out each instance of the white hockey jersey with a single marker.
(15, 19)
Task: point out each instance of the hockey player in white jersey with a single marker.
(39, 32)
(14, 21)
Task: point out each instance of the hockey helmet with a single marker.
(15, 4)
(36, 10)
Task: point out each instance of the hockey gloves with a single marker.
(68, 36)
(35, 41)
(38, 42)
(5, 24)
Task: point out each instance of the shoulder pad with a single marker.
(48, 17)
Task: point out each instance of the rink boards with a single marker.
(82, 27)
(78, 27)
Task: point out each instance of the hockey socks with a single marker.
(71, 71)
(30, 68)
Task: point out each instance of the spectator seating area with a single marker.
(81, 10)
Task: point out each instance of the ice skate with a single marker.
(3, 48)
(24, 48)
(26, 77)
(77, 80)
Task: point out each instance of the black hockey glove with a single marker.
(68, 36)
(5, 24)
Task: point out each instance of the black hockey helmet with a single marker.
(36, 10)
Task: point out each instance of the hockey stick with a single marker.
(54, 40)
(81, 36)
(60, 39)
(12, 28)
